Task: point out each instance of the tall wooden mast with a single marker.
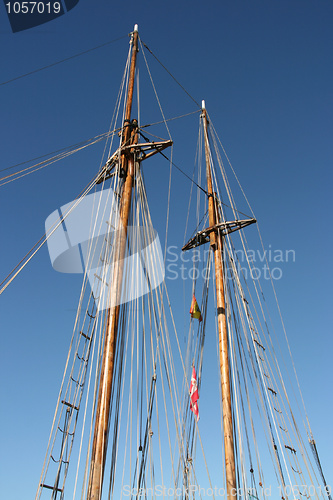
(216, 242)
(127, 164)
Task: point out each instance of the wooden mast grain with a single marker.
(99, 447)
(216, 242)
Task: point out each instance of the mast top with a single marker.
(203, 105)
(136, 27)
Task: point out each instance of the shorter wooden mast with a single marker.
(216, 242)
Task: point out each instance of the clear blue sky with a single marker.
(265, 70)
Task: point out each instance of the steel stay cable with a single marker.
(240, 186)
(189, 95)
(239, 340)
(242, 358)
(196, 184)
(169, 120)
(63, 60)
(272, 354)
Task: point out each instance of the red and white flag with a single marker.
(194, 394)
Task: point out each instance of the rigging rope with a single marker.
(50, 161)
(101, 136)
(33, 251)
(316, 456)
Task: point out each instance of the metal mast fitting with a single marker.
(224, 228)
(143, 152)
